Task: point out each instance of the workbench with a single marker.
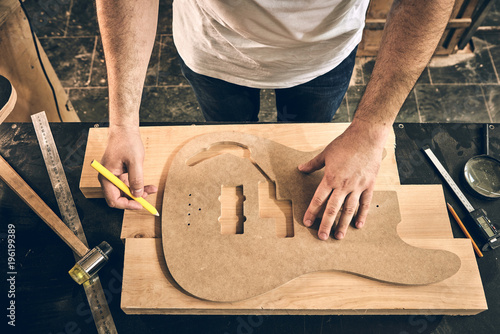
(48, 301)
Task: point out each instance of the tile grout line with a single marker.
(67, 20)
(494, 65)
(159, 59)
(92, 61)
(418, 106)
(486, 104)
(429, 74)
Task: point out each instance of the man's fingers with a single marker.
(114, 197)
(320, 197)
(312, 165)
(364, 207)
(124, 203)
(135, 178)
(347, 212)
(331, 210)
(150, 189)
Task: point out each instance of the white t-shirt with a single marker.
(266, 43)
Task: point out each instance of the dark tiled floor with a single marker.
(72, 58)
(460, 88)
(451, 103)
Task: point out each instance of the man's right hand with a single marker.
(124, 157)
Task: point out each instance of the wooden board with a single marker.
(30, 197)
(149, 289)
(424, 222)
(161, 144)
(231, 267)
(20, 64)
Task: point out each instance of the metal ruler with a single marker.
(93, 289)
(487, 229)
(427, 150)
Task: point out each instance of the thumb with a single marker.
(313, 165)
(135, 178)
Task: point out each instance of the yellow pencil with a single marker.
(122, 186)
(462, 226)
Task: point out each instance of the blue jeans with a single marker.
(313, 101)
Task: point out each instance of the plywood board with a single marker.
(230, 267)
(145, 275)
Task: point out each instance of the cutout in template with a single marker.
(231, 207)
(281, 211)
(214, 150)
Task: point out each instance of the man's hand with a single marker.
(124, 157)
(128, 31)
(351, 164)
(411, 33)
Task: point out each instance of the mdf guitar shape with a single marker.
(233, 267)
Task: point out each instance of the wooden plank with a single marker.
(6, 8)
(21, 66)
(478, 18)
(460, 19)
(28, 195)
(146, 275)
(378, 9)
(161, 143)
(7, 108)
(467, 13)
(423, 213)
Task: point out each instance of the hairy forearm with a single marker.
(128, 31)
(411, 34)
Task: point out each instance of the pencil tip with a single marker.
(157, 214)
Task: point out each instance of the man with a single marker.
(305, 49)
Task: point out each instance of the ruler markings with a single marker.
(95, 294)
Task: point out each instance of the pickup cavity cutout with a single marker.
(281, 211)
(231, 207)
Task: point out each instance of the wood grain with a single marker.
(145, 275)
(161, 144)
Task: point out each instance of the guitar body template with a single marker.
(228, 267)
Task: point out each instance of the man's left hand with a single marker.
(351, 164)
